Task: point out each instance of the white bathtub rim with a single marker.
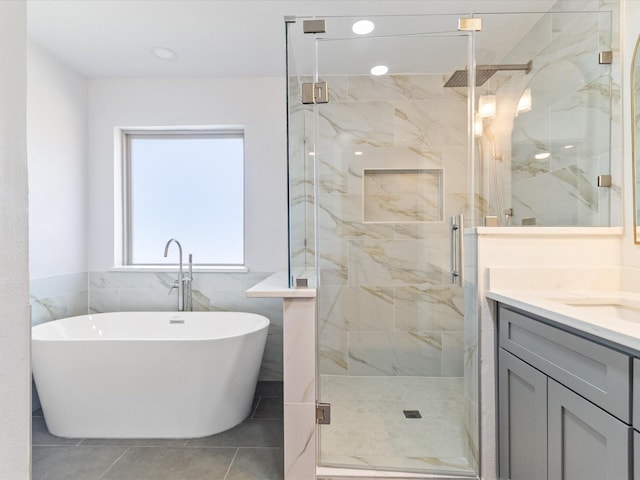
(54, 330)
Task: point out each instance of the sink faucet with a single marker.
(184, 295)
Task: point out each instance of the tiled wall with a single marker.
(59, 297)
(399, 196)
(471, 350)
(392, 168)
(78, 294)
(300, 183)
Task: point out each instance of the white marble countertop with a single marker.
(556, 306)
(277, 286)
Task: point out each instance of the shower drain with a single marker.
(412, 413)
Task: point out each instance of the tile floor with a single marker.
(251, 451)
(368, 427)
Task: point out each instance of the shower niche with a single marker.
(402, 196)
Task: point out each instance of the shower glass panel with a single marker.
(300, 166)
(386, 163)
(552, 129)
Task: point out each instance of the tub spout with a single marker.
(179, 283)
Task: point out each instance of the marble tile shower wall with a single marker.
(58, 297)
(471, 350)
(386, 306)
(96, 292)
(575, 101)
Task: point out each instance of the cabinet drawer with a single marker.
(594, 371)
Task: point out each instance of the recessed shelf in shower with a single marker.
(402, 195)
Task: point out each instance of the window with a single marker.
(187, 185)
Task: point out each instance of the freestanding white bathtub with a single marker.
(147, 374)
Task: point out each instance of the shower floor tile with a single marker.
(369, 428)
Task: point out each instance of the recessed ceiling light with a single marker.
(164, 53)
(567, 147)
(379, 70)
(542, 156)
(358, 153)
(363, 27)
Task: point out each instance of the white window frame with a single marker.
(123, 226)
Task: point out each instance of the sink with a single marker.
(611, 310)
(615, 308)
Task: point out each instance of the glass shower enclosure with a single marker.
(378, 166)
(382, 171)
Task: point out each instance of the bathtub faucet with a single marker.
(183, 283)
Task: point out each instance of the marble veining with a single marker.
(52, 298)
(574, 100)
(369, 428)
(383, 248)
(402, 196)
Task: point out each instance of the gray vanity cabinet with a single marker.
(636, 454)
(523, 419)
(564, 407)
(584, 441)
(636, 418)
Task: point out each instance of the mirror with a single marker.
(635, 133)
(550, 151)
(559, 119)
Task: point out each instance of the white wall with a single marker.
(631, 30)
(256, 103)
(56, 142)
(15, 387)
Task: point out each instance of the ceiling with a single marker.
(115, 38)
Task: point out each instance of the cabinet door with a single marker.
(585, 442)
(636, 455)
(522, 398)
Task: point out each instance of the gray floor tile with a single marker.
(136, 442)
(269, 408)
(169, 463)
(250, 433)
(254, 405)
(40, 435)
(67, 463)
(269, 389)
(257, 464)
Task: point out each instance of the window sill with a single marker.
(174, 268)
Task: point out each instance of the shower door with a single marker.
(391, 164)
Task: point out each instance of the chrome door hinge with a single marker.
(470, 24)
(316, 25)
(605, 58)
(323, 413)
(315, 93)
(604, 180)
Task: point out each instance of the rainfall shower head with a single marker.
(460, 78)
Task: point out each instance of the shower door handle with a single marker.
(456, 241)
